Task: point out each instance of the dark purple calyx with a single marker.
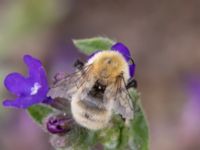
(59, 124)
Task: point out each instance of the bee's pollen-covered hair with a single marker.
(122, 64)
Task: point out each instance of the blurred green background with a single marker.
(162, 35)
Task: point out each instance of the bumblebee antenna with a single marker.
(133, 62)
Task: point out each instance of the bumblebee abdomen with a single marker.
(90, 116)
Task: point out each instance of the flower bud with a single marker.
(59, 124)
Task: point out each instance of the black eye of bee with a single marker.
(99, 87)
(98, 90)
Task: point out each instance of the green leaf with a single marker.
(109, 137)
(124, 138)
(39, 112)
(139, 133)
(90, 45)
(81, 138)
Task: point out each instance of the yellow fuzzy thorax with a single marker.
(109, 65)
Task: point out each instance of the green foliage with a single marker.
(139, 132)
(82, 139)
(139, 137)
(39, 112)
(88, 46)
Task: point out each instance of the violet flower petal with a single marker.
(22, 102)
(121, 48)
(30, 90)
(16, 84)
(36, 71)
(132, 70)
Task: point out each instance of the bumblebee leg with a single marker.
(59, 76)
(61, 104)
(78, 64)
(132, 83)
(122, 117)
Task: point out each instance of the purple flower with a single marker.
(121, 48)
(29, 90)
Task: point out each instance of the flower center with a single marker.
(35, 88)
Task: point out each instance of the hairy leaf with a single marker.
(90, 45)
(39, 112)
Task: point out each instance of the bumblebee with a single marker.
(98, 88)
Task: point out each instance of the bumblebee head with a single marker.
(109, 64)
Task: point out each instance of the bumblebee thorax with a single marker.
(108, 65)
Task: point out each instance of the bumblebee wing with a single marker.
(122, 99)
(69, 84)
